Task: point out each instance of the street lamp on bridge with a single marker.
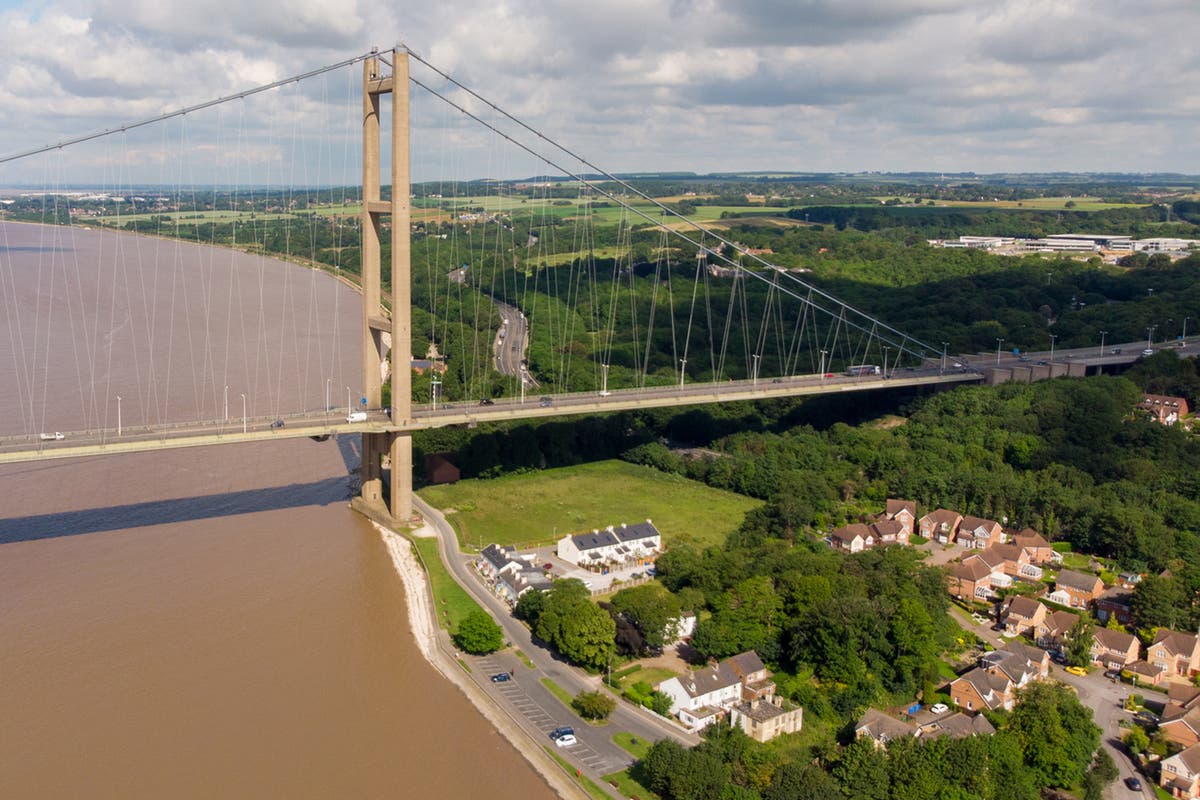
(823, 354)
(1150, 336)
(243, 412)
(1185, 322)
(604, 381)
(886, 351)
(682, 371)
(999, 342)
(944, 346)
(227, 404)
(118, 415)
(754, 370)
(1052, 338)
(349, 406)
(1102, 335)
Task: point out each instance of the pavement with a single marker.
(536, 710)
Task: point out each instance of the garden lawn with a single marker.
(537, 508)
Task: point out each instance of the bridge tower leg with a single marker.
(375, 320)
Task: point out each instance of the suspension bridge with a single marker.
(531, 297)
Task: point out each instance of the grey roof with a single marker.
(958, 726)
(498, 556)
(761, 710)
(880, 726)
(987, 683)
(1076, 580)
(613, 535)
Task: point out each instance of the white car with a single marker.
(566, 740)
(1148, 352)
(939, 708)
(52, 437)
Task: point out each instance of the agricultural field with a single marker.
(538, 508)
(1032, 204)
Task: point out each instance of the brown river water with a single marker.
(212, 622)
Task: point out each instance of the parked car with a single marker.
(501, 677)
(1134, 784)
(1057, 657)
(565, 730)
(939, 708)
(547, 566)
(1080, 671)
(566, 740)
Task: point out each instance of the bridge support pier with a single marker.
(398, 448)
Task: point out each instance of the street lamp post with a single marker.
(327, 382)
(1185, 322)
(118, 415)
(682, 371)
(823, 353)
(227, 404)
(886, 352)
(1150, 336)
(754, 371)
(999, 342)
(243, 413)
(349, 407)
(944, 346)
(1052, 338)
(604, 381)
(1102, 335)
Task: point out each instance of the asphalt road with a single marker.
(512, 340)
(538, 710)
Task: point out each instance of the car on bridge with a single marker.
(546, 402)
(1148, 352)
(277, 423)
(52, 437)
(487, 401)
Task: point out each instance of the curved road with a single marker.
(538, 710)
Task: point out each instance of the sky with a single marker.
(634, 85)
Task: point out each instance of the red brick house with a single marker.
(1052, 632)
(979, 533)
(1178, 654)
(940, 526)
(1180, 774)
(904, 512)
(1081, 590)
(1022, 615)
(1163, 409)
(1113, 649)
(1116, 601)
(1040, 551)
(1180, 721)
(888, 531)
(972, 580)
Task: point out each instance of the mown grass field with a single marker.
(540, 507)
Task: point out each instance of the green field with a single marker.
(452, 602)
(540, 507)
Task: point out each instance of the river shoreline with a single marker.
(434, 643)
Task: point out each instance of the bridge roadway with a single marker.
(77, 444)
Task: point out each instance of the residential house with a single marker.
(1113, 649)
(1116, 601)
(615, 545)
(980, 689)
(1022, 615)
(763, 720)
(979, 533)
(1178, 654)
(1052, 633)
(888, 531)
(993, 684)
(1163, 409)
(1040, 551)
(940, 526)
(702, 696)
(1180, 774)
(904, 512)
(1145, 672)
(1015, 561)
(882, 728)
(510, 585)
(957, 726)
(1180, 720)
(495, 559)
(972, 580)
(853, 538)
(1080, 590)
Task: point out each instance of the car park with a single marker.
(939, 708)
(501, 677)
(566, 740)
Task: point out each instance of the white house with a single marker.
(636, 544)
(702, 696)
